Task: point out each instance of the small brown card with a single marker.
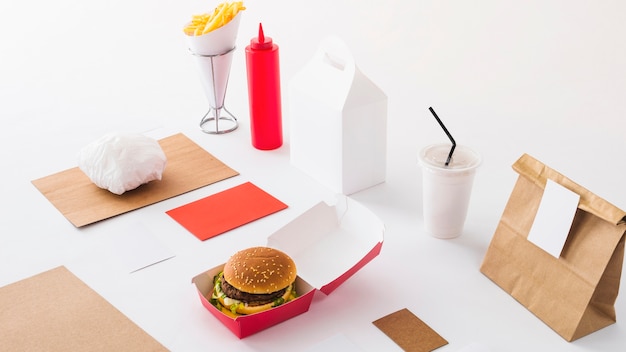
(409, 332)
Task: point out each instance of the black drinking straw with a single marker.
(447, 133)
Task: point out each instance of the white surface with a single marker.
(334, 343)
(545, 78)
(136, 248)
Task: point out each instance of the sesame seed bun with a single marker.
(260, 270)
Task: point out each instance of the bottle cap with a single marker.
(261, 42)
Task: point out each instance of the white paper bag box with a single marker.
(338, 120)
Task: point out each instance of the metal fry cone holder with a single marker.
(215, 70)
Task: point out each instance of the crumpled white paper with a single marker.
(121, 162)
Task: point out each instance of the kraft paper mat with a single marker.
(56, 311)
(410, 332)
(188, 167)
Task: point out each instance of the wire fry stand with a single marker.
(229, 122)
(215, 70)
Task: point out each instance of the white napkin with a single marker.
(121, 162)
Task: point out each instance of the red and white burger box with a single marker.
(328, 243)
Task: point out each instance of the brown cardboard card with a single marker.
(410, 332)
(82, 202)
(56, 311)
(575, 292)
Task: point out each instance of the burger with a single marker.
(254, 280)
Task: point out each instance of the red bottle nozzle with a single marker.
(261, 42)
(261, 35)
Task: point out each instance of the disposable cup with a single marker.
(446, 190)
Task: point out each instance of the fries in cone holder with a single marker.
(211, 39)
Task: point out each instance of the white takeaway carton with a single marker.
(338, 121)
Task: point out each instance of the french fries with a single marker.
(205, 23)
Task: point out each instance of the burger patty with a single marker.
(253, 299)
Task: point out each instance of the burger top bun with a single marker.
(260, 270)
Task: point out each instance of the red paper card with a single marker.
(226, 210)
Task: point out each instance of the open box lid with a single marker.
(331, 243)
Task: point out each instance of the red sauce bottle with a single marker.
(264, 96)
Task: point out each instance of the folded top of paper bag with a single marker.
(539, 173)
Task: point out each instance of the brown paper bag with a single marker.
(574, 294)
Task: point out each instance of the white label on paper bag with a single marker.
(554, 218)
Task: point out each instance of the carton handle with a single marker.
(334, 61)
(334, 53)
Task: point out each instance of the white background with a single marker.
(541, 77)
